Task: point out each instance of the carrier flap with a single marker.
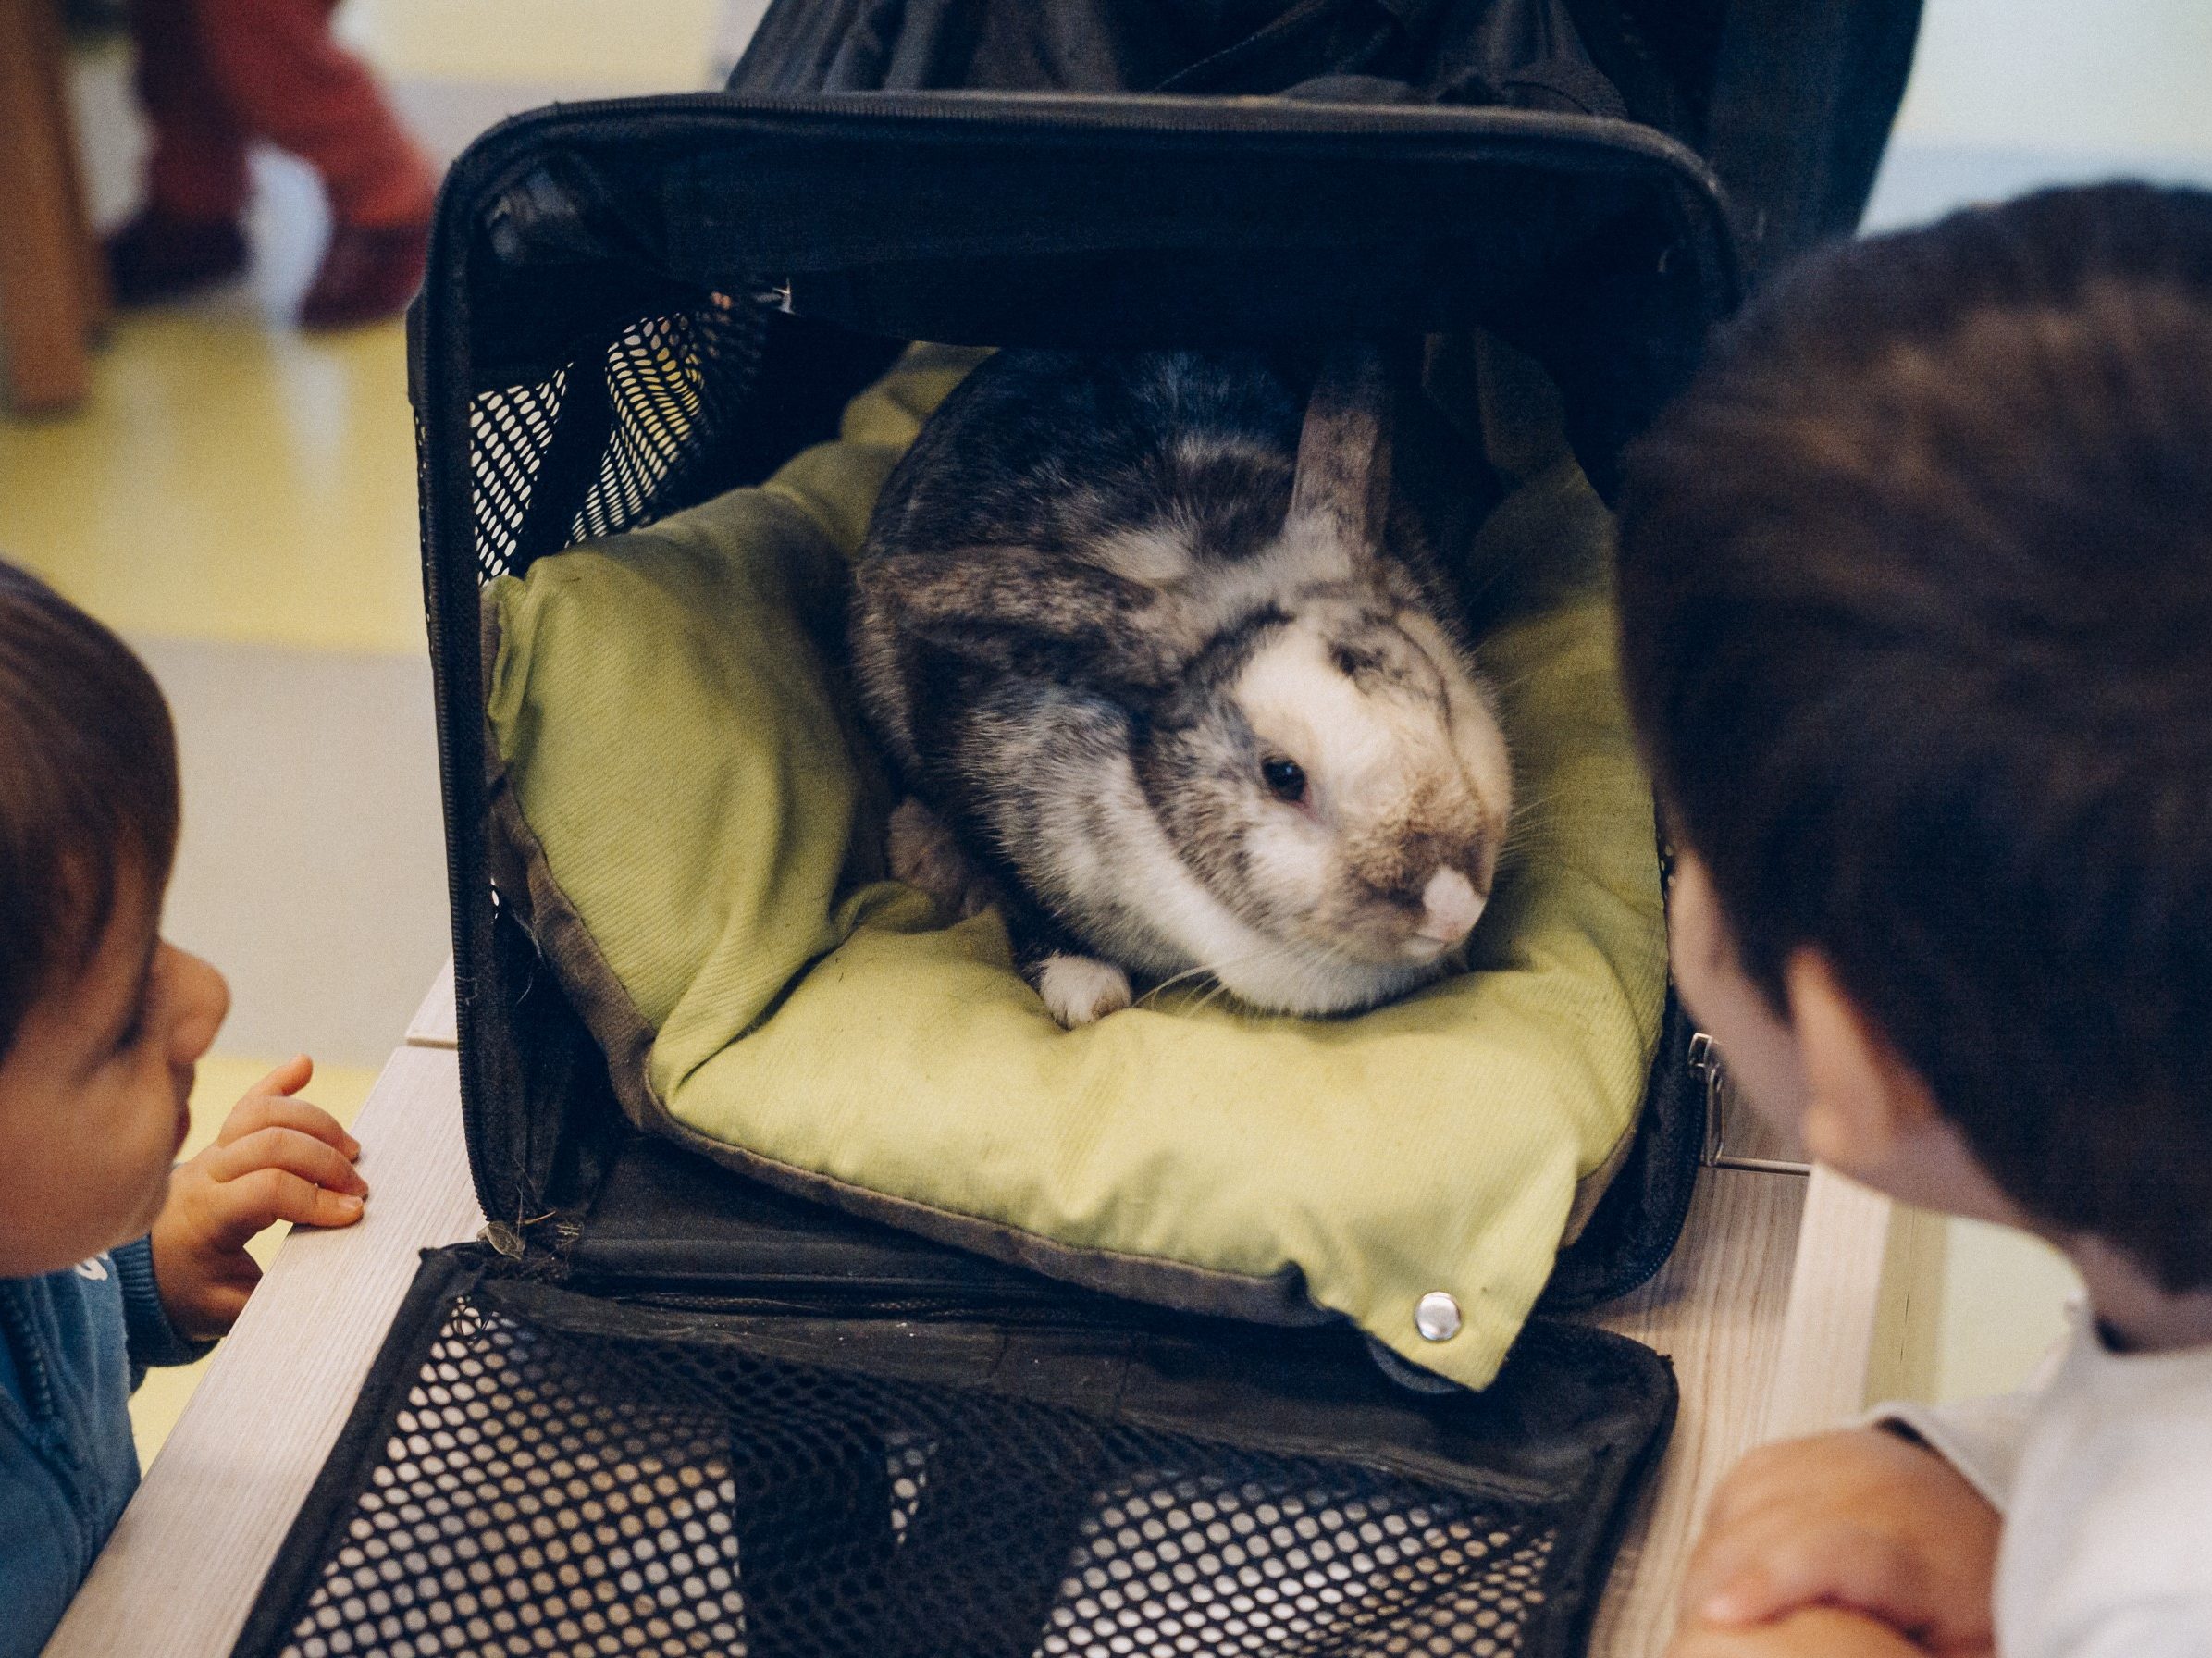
(1514, 53)
(1791, 100)
(821, 1480)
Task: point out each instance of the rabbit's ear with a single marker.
(1341, 490)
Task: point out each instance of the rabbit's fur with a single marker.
(1102, 600)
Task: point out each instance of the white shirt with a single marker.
(2102, 1468)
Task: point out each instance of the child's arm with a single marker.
(149, 1339)
(1864, 1519)
(1816, 1632)
(276, 1158)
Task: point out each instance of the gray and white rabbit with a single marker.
(1165, 662)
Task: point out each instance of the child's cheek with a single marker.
(159, 1121)
(157, 1195)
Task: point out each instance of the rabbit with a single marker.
(1162, 662)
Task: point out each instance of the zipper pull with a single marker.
(1705, 1065)
(502, 1239)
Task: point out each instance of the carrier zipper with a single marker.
(860, 1304)
(503, 1240)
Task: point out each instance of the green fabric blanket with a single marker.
(690, 821)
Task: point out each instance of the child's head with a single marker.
(1917, 613)
(100, 1021)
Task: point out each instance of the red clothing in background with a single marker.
(215, 75)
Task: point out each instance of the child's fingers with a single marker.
(256, 1112)
(1706, 1640)
(1765, 1474)
(301, 1154)
(1742, 1517)
(1764, 1564)
(288, 1078)
(1863, 1570)
(255, 1202)
(1817, 1632)
(1752, 1592)
(1729, 1546)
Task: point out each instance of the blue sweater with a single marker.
(72, 1346)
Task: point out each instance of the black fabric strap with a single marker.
(1804, 95)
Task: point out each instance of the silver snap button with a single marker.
(1436, 1316)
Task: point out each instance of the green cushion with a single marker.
(691, 823)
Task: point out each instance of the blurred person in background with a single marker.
(216, 76)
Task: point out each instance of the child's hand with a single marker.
(1862, 1519)
(277, 1158)
(1816, 1632)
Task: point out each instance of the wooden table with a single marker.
(53, 281)
(1789, 1301)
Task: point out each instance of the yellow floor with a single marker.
(161, 1398)
(229, 482)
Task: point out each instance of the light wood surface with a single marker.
(1716, 1309)
(1778, 1307)
(52, 291)
(1828, 1325)
(179, 1575)
(1777, 1310)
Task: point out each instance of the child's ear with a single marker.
(1863, 1102)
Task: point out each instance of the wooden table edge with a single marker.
(180, 1572)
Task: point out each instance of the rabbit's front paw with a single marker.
(1079, 990)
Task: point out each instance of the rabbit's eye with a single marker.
(1285, 779)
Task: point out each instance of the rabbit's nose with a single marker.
(1450, 908)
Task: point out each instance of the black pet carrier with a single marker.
(662, 1407)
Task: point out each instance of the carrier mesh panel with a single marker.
(544, 1493)
(639, 426)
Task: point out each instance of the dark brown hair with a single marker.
(1917, 619)
(88, 788)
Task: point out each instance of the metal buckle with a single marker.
(1705, 1064)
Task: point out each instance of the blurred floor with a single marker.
(239, 500)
